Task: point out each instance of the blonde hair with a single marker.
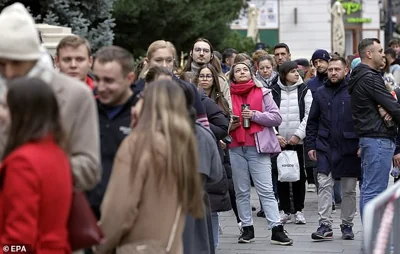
(166, 114)
(154, 46)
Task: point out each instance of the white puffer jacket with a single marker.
(290, 112)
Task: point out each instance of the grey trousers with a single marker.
(325, 191)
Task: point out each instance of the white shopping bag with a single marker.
(288, 166)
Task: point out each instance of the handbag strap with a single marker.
(173, 230)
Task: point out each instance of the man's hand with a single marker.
(313, 155)
(294, 140)
(384, 114)
(282, 141)
(396, 160)
(359, 152)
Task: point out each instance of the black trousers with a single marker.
(298, 188)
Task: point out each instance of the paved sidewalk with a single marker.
(301, 234)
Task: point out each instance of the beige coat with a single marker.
(80, 122)
(134, 208)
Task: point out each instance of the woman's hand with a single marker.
(294, 140)
(282, 141)
(247, 113)
(235, 123)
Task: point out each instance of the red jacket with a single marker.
(35, 197)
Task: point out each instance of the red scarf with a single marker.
(246, 93)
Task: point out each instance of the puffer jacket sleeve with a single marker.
(301, 130)
(270, 117)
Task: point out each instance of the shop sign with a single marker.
(353, 8)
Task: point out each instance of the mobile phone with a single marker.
(235, 118)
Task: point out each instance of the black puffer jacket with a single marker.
(367, 90)
(217, 192)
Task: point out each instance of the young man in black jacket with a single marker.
(112, 75)
(375, 114)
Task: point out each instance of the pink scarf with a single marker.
(246, 93)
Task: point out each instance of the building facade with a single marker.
(305, 25)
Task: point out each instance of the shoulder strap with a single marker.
(173, 230)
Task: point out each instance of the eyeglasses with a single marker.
(206, 51)
(206, 77)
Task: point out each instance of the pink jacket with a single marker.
(266, 140)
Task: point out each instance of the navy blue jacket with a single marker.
(112, 132)
(330, 131)
(316, 82)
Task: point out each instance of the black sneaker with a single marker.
(279, 236)
(261, 213)
(324, 232)
(347, 232)
(247, 235)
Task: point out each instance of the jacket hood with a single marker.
(358, 72)
(292, 87)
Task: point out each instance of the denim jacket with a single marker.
(266, 140)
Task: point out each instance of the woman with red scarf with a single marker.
(251, 150)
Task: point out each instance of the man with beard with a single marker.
(373, 108)
(320, 60)
(331, 141)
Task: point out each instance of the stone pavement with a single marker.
(301, 234)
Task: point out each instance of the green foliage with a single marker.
(90, 19)
(239, 42)
(140, 22)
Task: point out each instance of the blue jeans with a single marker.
(245, 161)
(215, 227)
(376, 161)
(337, 192)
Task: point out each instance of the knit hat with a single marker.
(20, 40)
(321, 54)
(355, 62)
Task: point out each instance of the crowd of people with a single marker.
(160, 151)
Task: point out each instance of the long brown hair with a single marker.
(188, 65)
(165, 114)
(34, 113)
(215, 93)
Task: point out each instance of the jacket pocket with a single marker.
(322, 142)
(350, 143)
(323, 133)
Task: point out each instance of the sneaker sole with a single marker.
(321, 238)
(348, 237)
(246, 241)
(281, 243)
(300, 222)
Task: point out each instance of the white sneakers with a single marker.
(311, 188)
(286, 218)
(298, 218)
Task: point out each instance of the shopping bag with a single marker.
(288, 166)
